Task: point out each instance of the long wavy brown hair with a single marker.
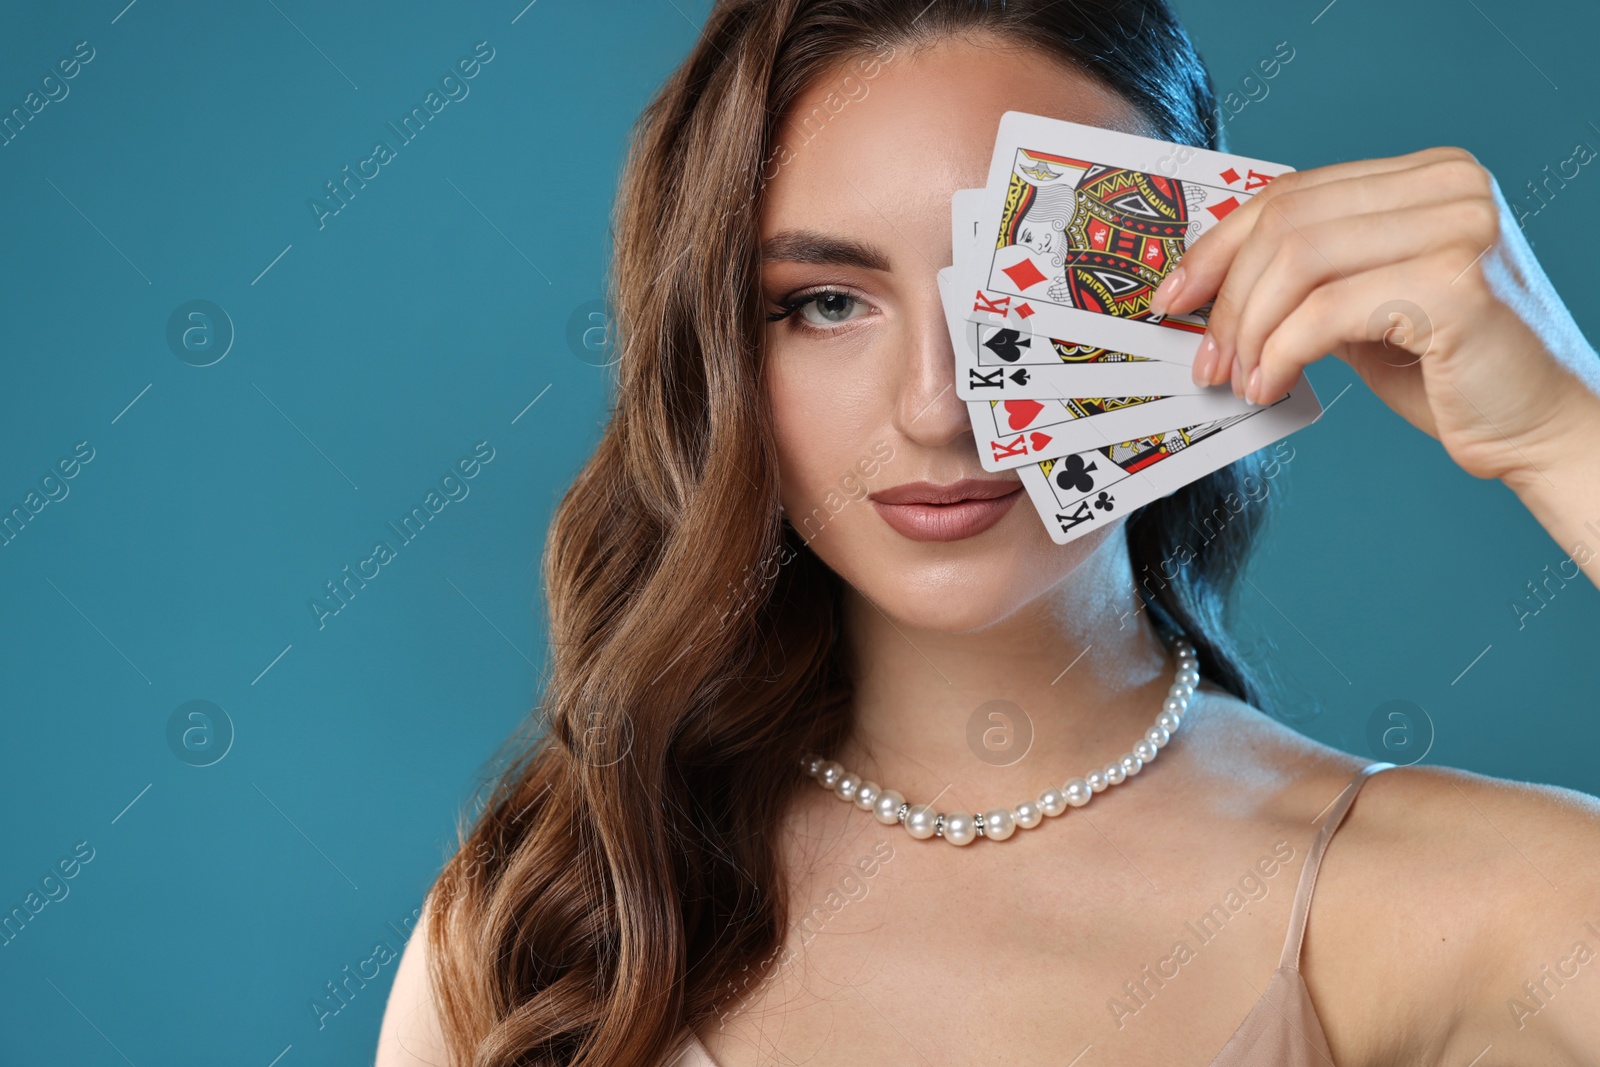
(623, 871)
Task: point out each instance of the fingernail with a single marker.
(1219, 371)
(1205, 362)
(1166, 292)
(1252, 388)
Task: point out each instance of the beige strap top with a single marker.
(1282, 1030)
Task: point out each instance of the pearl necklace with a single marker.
(959, 828)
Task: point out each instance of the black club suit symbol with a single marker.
(1074, 474)
(1104, 501)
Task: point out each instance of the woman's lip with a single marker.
(951, 493)
(946, 522)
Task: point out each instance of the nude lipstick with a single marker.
(927, 511)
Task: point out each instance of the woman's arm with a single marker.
(1412, 270)
(1563, 489)
(1537, 992)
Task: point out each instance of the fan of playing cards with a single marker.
(1067, 375)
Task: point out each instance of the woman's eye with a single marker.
(824, 309)
(819, 311)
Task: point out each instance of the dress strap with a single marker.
(1308, 872)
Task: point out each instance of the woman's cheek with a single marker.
(804, 426)
(831, 403)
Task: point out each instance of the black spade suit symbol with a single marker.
(1008, 344)
(1074, 474)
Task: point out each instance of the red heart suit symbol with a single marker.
(1019, 413)
(1039, 440)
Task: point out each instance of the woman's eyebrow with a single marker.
(810, 246)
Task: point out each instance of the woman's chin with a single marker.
(948, 599)
(961, 586)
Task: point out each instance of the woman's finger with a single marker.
(1339, 313)
(1205, 264)
(1338, 249)
(1292, 221)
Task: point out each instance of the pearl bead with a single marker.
(1052, 802)
(921, 821)
(1027, 814)
(997, 823)
(960, 828)
(1078, 792)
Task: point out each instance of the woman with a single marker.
(658, 880)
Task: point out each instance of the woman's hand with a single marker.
(1412, 270)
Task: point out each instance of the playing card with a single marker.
(1030, 425)
(1086, 222)
(966, 205)
(996, 362)
(1077, 493)
(1014, 433)
(1049, 368)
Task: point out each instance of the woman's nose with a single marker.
(928, 411)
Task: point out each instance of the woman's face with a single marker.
(860, 375)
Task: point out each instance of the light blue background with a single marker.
(427, 316)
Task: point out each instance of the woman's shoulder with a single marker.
(1401, 805)
(410, 1035)
(1459, 888)
(1441, 892)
